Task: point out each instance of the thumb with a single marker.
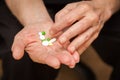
(18, 49)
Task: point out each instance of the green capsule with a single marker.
(48, 39)
(43, 32)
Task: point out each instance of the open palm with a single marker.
(28, 39)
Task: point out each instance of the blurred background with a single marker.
(91, 67)
(0, 69)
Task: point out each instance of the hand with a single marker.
(82, 21)
(28, 39)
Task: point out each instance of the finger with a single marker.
(67, 20)
(76, 56)
(56, 35)
(83, 47)
(49, 60)
(81, 39)
(63, 55)
(76, 29)
(18, 48)
(40, 54)
(67, 59)
(52, 61)
(66, 44)
(64, 11)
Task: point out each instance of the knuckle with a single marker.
(69, 5)
(68, 34)
(96, 17)
(87, 37)
(85, 47)
(58, 15)
(69, 20)
(93, 17)
(86, 6)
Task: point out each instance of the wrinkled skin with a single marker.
(83, 21)
(28, 39)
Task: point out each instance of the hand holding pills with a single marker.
(37, 42)
(46, 41)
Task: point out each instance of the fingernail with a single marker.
(72, 49)
(72, 66)
(76, 56)
(56, 67)
(62, 40)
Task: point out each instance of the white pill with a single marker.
(52, 40)
(50, 44)
(40, 33)
(42, 37)
(45, 43)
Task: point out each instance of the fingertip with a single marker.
(72, 66)
(68, 60)
(65, 59)
(17, 54)
(71, 49)
(62, 40)
(76, 56)
(53, 62)
(57, 65)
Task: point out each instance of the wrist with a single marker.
(30, 21)
(110, 5)
(107, 7)
(31, 17)
(28, 11)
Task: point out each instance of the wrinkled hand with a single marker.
(28, 39)
(82, 21)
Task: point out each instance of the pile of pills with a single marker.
(46, 41)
